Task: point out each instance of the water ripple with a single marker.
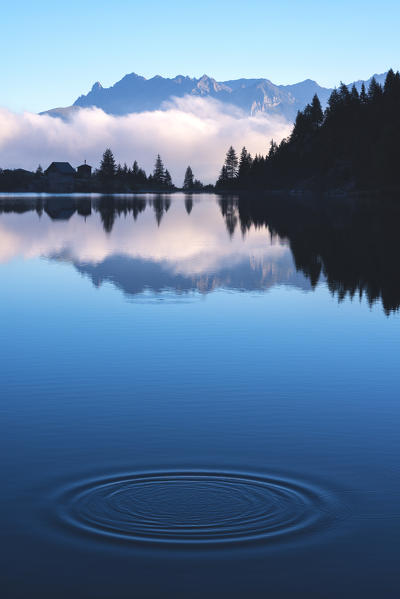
(195, 507)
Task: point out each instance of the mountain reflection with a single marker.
(185, 243)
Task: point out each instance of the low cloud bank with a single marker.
(189, 130)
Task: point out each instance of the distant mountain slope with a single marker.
(134, 93)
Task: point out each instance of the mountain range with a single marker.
(134, 93)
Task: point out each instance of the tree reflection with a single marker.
(188, 203)
(352, 242)
(229, 210)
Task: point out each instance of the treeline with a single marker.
(123, 178)
(114, 177)
(109, 177)
(352, 144)
(21, 180)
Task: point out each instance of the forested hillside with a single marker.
(353, 144)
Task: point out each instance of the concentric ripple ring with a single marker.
(194, 507)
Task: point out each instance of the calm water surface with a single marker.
(199, 397)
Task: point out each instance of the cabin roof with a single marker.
(62, 167)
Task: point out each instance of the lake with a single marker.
(199, 397)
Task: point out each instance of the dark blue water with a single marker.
(199, 397)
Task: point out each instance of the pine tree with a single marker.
(135, 170)
(107, 166)
(189, 179)
(168, 179)
(142, 177)
(363, 95)
(333, 101)
(197, 184)
(317, 116)
(344, 94)
(397, 81)
(273, 149)
(231, 164)
(138, 175)
(389, 81)
(244, 166)
(355, 96)
(223, 178)
(374, 91)
(301, 124)
(159, 171)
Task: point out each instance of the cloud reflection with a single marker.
(185, 250)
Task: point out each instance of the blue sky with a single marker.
(53, 51)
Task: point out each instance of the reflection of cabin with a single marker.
(60, 208)
(84, 171)
(60, 176)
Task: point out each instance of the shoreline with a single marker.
(293, 193)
